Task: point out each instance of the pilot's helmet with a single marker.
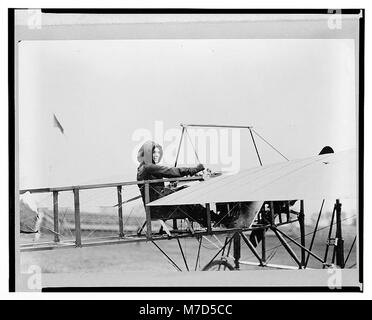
(144, 154)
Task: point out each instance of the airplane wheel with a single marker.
(218, 265)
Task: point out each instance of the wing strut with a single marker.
(255, 146)
(251, 131)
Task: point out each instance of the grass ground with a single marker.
(146, 257)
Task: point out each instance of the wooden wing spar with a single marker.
(328, 176)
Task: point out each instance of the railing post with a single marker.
(55, 216)
(209, 225)
(340, 261)
(175, 226)
(148, 212)
(120, 212)
(272, 213)
(77, 217)
(301, 221)
(329, 236)
(236, 248)
(263, 245)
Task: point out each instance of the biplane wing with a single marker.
(319, 177)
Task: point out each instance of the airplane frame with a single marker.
(234, 235)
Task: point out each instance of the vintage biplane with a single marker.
(247, 206)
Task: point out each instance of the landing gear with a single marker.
(218, 265)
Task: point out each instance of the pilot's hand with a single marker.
(207, 174)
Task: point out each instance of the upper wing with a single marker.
(325, 176)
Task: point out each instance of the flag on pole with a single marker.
(57, 124)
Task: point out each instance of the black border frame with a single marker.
(11, 146)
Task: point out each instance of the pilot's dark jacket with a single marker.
(147, 170)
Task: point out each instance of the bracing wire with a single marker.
(274, 250)
(310, 233)
(196, 154)
(263, 139)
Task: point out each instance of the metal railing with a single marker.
(119, 188)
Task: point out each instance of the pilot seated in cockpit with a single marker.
(149, 156)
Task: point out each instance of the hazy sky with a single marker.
(299, 94)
